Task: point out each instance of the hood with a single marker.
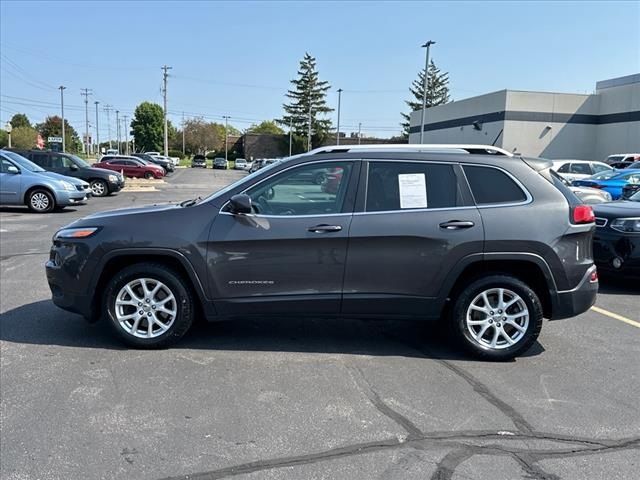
(121, 212)
(57, 176)
(622, 208)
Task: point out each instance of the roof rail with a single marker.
(446, 148)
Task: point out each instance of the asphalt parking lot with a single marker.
(302, 400)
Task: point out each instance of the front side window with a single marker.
(399, 185)
(315, 189)
(490, 186)
(597, 168)
(4, 165)
(581, 168)
(564, 168)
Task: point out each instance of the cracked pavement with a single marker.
(322, 399)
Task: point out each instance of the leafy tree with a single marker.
(201, 136)
(24, 137)
(20, 120)
(4, 139)
(52, 127)
(268, 127)
(148, 126)
(308, 93)
(437, 93)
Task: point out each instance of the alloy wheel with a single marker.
(98, 188)
(145, 308)
(40, 201)
(497, 318)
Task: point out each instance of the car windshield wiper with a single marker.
(190, 203)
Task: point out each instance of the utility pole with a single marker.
(359, 132)
(62, 89)
(107, 108)
(424, 94)
(338, 131)
(118, 131)
(165, 69)
(85, 93)
(226, 136)
(290, 133)
(183, 150)
(97, 128)
(309, 131)
(126, 136)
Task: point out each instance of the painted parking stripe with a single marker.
(616, 316)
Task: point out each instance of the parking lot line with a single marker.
(616, 316)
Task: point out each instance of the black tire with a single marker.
(462, 331)
(99, 188)
(184, 303)
(148, 175)
(40, 200)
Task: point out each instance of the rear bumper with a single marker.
(569, 303)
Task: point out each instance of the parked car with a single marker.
(24, 183)
(256, 165)
(154, 154)
(240, 164)
(220, 162)
(616, 244)
(579, 169)
(131, 167)
(175, 160)
(612, 184)
(629, 189)
(431, 234)
(588, 195)
(167, 165)
(103, 182)
(623, 157)
(622, 165)
(199, 161)
(111, 151)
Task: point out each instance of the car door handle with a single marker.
(456, 224)
(325, 228)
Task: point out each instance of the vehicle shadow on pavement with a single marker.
(27, 211)
(43, 323)
(616, 286)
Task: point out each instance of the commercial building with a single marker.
(550, 125)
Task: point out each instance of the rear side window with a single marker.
(411, 185)
(490, 186)
(41, 159)
(581, 168)
(597, 168)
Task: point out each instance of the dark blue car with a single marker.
(612, 184)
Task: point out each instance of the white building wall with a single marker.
(618, 137)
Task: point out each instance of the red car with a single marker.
(131, 167)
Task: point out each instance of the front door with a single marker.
(417, 222)
(9, 182)
(287, 257)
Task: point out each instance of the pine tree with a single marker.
(307, 92)
(437, 92)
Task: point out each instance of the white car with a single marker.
(153, 154)
(240, 164)
(579, 169)
(623, 157)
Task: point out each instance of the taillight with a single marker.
(593, 278)
(583, 214)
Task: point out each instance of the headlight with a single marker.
(75, 232)
(626, 225)
(113, 178)
(68, 186)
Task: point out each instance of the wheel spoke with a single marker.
(124, 318)
(486, 300)
(506, 336)
(478, 322)
(480, 309)
(159, 322)
(164, 301)
(152, 293)
(145, 289)
(127, 302)
(134, 329)
(166, 310)
(501, 298)
(149, 327)
(509, 303)
(132, 293)
(523, 313)
(494, 340)
(515, 325)
(483, 330)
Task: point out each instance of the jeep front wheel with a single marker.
(149, 305)
(497, 317)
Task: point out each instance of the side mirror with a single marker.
(12, 169)
(73, 166)
(240, 204)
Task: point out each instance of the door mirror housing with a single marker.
(73, 166)
(12, 169)
(240, 204)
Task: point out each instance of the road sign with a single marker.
(54, 139)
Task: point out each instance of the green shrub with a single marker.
(176, 153)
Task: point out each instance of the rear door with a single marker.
(417, 221)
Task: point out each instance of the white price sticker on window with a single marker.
(413, 190)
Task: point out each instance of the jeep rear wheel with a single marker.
(497, 317)
(149, 305)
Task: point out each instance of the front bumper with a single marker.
(116, 186)
(610, 245)
(65, 198)
(62, 296)
(569, 303)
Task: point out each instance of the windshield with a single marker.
(23, 162)
(604, 175)
(80, 162)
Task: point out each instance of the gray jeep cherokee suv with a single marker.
(489, 242)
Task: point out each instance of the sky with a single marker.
(237, 58)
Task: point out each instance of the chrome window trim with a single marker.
(526, 201)
(278, 173)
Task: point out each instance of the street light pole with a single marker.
(97, 128)
(62, 88)
(8, 127)
(290, 134)
(424, 93)
(118, 131)
(226, 137)
(338, 131)
(85, 93)
(107, 108)
(309, 131)
(359, 132)
(126, 136)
